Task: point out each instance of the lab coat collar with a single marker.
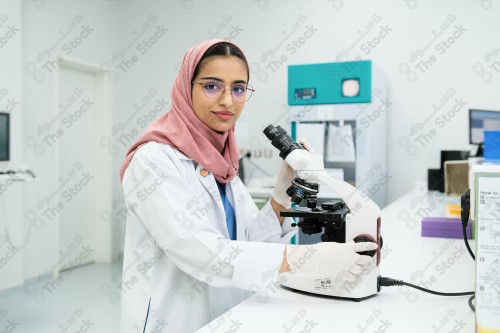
(181, 156)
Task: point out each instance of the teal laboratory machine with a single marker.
(341, 108)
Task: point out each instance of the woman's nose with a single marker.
(226, 97)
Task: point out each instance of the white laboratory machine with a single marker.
(341, 109)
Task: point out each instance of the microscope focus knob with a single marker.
(365, 238)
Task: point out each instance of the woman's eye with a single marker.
(211, 86)
(239, 89)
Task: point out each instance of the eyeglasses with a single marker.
(240, 92)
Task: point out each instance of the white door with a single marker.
(79, 108)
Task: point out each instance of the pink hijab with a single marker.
(181, 129)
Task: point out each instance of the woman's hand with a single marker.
(339, 261)
(285, 176)
(279, 199)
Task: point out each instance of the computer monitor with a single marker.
(4, 136)
(480, 121)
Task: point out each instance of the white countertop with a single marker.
(436, 263)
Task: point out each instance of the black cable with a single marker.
(470, 303)
(256, 167)
(464, 231)
(388, 282)
(465, 205)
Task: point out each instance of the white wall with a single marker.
(120, 29)
(11, 101)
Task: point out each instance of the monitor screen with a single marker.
(480, 121)
(4, 136)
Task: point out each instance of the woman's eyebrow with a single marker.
(222, 81)
(211, 78)
(240, 81)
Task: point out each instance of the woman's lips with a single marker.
(224, 115)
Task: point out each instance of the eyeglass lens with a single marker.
(214, 89)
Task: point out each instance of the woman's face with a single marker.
(219, 113)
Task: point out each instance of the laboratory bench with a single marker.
(440, 264)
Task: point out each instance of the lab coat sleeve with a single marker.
(158, 193)
(265, 227)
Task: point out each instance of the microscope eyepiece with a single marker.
(281, 140)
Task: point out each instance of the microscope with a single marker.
(354, 217)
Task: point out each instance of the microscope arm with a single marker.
(310, 168)
(362, 208)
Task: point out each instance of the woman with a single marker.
(196, 244)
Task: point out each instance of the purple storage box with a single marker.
(445, 227)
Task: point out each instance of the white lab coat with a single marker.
(180, 269)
